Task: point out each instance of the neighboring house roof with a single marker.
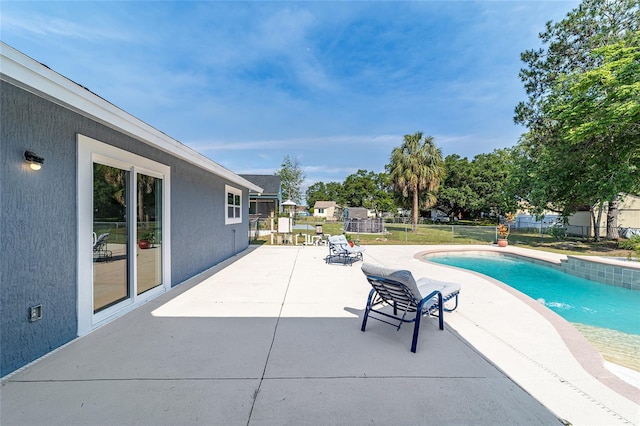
(32, 76)
(270, 184)
(324, 204)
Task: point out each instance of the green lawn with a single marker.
(463, 233)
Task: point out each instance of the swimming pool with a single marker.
(578, 300)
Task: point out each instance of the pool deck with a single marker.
(272, 336)
(580, 348)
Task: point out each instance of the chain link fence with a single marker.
(452, 232)
(117, 231)
(444, 233)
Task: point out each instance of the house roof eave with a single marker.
(28, 74)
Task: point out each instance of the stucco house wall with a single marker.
(39, 214)
(581, 218)
(630, 212)
(628, 216)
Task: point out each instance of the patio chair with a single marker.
(341, 251)
(100, 251)
(397, 291)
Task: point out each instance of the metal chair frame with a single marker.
(100, 248)
(340, 253)
(388, 292)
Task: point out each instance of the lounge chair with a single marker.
(341, 251)
(100, 251)
(410, 299)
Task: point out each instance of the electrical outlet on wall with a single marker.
(35, 313)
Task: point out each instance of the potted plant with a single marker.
(147, 240)
(504, 230)
(351, 241)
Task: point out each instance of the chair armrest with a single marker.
(436, 296)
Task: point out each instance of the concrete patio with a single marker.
(273, 337)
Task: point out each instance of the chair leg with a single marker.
(368, 309)
(364, 319)
(416, 329)
(440, 311)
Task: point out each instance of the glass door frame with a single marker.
(91, 151)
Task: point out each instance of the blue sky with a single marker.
(335, 84)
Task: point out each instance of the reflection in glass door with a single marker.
(110, 236)
(149, 231)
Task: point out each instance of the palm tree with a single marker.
(417, 166)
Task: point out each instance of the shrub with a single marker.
(632, 244)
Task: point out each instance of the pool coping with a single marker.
(585, 354)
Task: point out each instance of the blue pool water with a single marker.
(576, 299)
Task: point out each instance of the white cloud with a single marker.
(57, 27)
(327, 142)
(283, 30)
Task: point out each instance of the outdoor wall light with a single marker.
(34, 160)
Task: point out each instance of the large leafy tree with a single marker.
(599, 111)
(358, 188)
(455, 194)
(480, 185)
(292, 176)
(320, 191)
(368, 189)
(489, 181)
(582, 130)
(109, 196)
(417, 167)
(382, 200)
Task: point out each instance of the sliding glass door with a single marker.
(122, 268)
(110, 236)
(149, 231)
(124, 242)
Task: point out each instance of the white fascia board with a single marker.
(22, 71)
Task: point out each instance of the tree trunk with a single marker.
(596, 220)
(414, 225)
(612, 219)
(140, 217)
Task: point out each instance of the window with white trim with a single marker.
(233, 205)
